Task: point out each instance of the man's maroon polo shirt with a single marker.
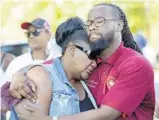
(125, 81)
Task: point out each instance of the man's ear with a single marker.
(120, 25)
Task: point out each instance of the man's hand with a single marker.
(33, 113)
(23, 86)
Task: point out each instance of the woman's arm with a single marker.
(44, 90)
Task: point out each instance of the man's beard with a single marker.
(99, 45)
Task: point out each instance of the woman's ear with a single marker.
(71, 50)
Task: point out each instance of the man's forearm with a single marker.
(103, 113)
(89, 115)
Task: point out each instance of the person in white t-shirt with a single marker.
(43, 47)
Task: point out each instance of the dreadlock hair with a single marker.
(127, 36)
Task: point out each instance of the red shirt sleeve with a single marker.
(134, 80)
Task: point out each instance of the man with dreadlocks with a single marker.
(123, 82)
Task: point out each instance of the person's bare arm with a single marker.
(44, 89)
(103, 113)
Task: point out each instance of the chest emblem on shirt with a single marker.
(110, 81)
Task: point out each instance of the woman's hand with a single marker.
(33, 113)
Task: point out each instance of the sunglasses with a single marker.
(35, 33)
(91, 55)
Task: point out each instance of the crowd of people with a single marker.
(90, 71)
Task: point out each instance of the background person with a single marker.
(39, 39)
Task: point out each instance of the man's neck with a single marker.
(105, 54)
(39, 54)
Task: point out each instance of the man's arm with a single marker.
(103, 113)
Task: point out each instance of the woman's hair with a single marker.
(71, 30)
(127, 36)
